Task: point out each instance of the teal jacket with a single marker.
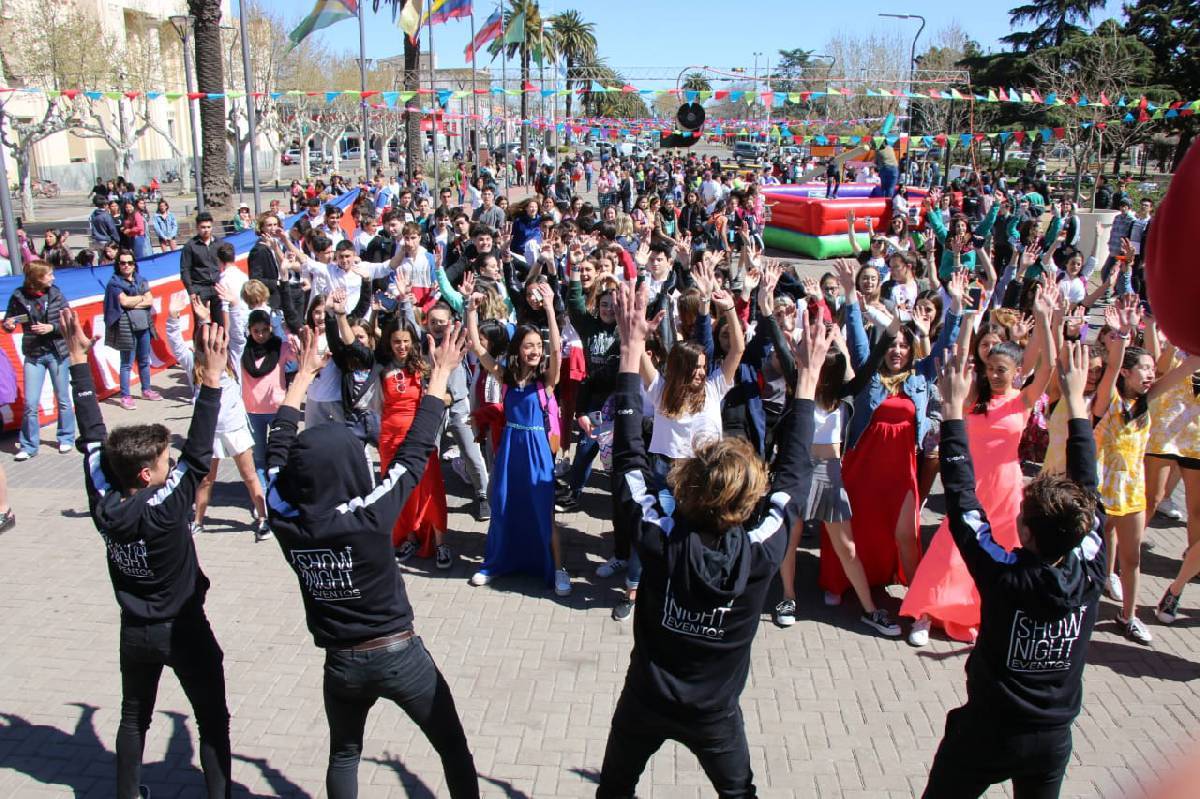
(967, 259)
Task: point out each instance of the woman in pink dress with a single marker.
(943, 591)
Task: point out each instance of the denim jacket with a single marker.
(868, 389)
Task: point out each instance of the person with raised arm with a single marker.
(710, 547)
(334, 524)
(140, 501)
(1038, 605)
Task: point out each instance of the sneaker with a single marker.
(128, 403)
(832, 600)
(785, 613)
(8, 520)
(450, 453)
(623, 611)
(1168, 606)
(197, 528)
(143, 792)
(22, 456)
(882, 623)
(444, 558)
(1169, 510)
(151, 394)
(406, 550)
(482, 510)
(262, 530)
(919, 634)
(1114, 591)
(567, 503)
(1135, 630)
(611, 567)
(480, 578)
(562, 582)
(63, 449)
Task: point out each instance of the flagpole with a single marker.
(364, 144)
(437, 162)
(504, 99)
(474, 95)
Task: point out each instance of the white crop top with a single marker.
(827, 425)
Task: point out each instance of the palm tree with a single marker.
(536, 40)
(414, 152)
(696, 82)
(210, 80)
(575, 42)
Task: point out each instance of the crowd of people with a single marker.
(648, 334)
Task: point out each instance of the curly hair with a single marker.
(1058, 512)
(720, 485)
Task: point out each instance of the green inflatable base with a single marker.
(813, 246)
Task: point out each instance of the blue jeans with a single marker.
(889, 176)
(259, 424)
(35, 374)
(141, 348)
(581, 468)
(404, 673)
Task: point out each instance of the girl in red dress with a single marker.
(422, 523)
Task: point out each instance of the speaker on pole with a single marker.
(690, 116)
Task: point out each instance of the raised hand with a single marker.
(632, 326)
(227, 296)
(1031, 255)
(200, 311)
(722, 300)
(447, 355)
(337, 302)
(78, 342)
(956, 287)
(212, 354)
(177, 303)
(1072, 374)
(308, 352)
(957, 376)
(468, 284)
(846, 269)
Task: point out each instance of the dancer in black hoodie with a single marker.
(710, 549)
(335, 528)
(1025, 675)
(141, 503)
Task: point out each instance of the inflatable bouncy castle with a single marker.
(804, 222)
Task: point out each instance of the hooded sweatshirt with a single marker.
(1026, 671)
(147, 536)
(698, 606)
(334, 524)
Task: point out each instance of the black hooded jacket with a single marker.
(1036, 619)
(698, 607)
(334, 523)
(147, 536)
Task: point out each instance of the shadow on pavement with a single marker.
(78, 760)
(1139, 661)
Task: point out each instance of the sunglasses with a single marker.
(124, 262)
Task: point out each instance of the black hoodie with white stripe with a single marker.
(147, 535)
(698, 607)
(334, 523)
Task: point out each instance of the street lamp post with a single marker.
(251, 112)
(912, 58)
(183, 26)
(756, 56)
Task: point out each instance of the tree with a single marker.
(575, 42)
(615, 105)
(696, 82)
(1170, 29)
(537, 44)
(875, 58)
(41, 49)
(1055, 22)
(210, 80)
(788, 78)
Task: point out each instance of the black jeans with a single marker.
(187, 645)
(975, 753)
(406, 674)
(638, 732)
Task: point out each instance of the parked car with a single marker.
(751, 151)
(289, 157)
(355, 154)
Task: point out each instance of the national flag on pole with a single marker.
(324, 14)
(410, 18)
(491, 29)
(516, 30)
(440, 11)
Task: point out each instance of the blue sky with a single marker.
(677, 33)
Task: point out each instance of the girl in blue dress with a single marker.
(522, 537)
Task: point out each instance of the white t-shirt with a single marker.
(326, 278)
(676, 438)
(233, 279)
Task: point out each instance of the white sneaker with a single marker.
(832, 599)
(450, 453)
(1169, 510)
(562, 582)
(1135, 630)
(919, 634)
(611, 567)
(1115, 592)
(63, 449)
(22, 456)
(480, 578)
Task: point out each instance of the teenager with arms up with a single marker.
(334, 525)
(1038, 607)
(140, 501)
(710, 547)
